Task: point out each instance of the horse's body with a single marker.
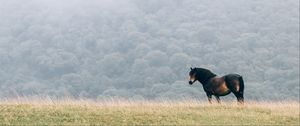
(218, 86)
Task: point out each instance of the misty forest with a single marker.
(143, 49)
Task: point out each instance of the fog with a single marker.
(139, 49)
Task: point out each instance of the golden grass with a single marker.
(46, 111)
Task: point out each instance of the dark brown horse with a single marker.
(218, 86)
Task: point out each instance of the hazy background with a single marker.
(143, 49)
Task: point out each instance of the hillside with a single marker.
(144, 49)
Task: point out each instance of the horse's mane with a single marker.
(203, 75)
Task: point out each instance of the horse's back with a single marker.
(232, 76)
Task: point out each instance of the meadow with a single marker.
(131, 112)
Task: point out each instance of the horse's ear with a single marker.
(191, 68)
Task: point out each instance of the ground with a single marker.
(84, 112)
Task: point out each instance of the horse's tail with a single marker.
(241, 84)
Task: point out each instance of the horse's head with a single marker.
(200, 74)
(193, 76)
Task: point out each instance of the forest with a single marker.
(138, 49)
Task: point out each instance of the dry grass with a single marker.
(46, 111)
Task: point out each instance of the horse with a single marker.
(218, 86)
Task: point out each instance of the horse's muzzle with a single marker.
(190, 82)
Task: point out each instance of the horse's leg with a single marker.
(209, 97)
(218, 99)
(236, 85)
(241, 91)
(240, 97)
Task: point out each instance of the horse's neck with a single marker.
(206, 81)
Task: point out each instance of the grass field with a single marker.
(85, 112)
